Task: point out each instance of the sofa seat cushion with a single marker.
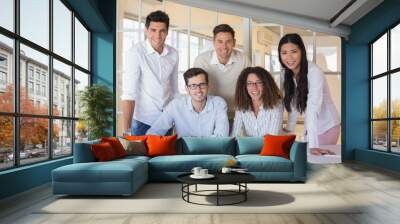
(112, 171)
(185, 163)
(257, 163)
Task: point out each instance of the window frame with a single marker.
(16, 114)
(388, 74)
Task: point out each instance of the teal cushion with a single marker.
(83, 152)
(249, 145)
(206, 145)
(185, 163)
(257, 163)
(111, 171)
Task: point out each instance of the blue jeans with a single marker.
(139, 128)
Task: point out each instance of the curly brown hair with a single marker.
(271, 94)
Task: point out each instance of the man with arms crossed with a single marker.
(224, 64)
(151, 79)
(196, 114)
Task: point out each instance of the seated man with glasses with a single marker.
(196, 114)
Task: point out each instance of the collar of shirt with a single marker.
(207, 108)
(150, 49)
(214, 59)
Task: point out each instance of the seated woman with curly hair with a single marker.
(259, 109)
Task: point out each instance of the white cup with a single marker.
(203, 172)
(226, 170)
(196, 170)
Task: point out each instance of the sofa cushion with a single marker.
(161, 145)
(206, 145)
(116, 145)
(275, 145)
(249, 145)
(257, 163)
(83, 152)
(185, 163)
(103, 152)
(134, 147)
(112, 171)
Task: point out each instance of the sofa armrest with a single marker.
(83, 152)
(298, 155)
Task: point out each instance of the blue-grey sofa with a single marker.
(125, 176)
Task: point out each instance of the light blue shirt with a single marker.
(211, 121)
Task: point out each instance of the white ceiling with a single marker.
(315, 15)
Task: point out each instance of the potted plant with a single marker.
(96, 102)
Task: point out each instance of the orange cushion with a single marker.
(103, 151)
(116, 145)
(276, 145)
(161, 145)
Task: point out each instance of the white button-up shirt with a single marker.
(150, 79)
(268, 121)
(211, 121)
(321, 113)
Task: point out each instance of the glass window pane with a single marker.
(379, 56)
(379, 98)
(33, 140)
(62, 89)
(328, 52)
(6, 142)
(178, 15)
(81, 45)
(34, 81)
(395, 95)
(62, 29)
(395, 138)
(379, 135)
(62, 138)
(35, 21)
(7, 14)
(203, 22)
(6, 75)
(81, 81)
(395, 47)
(81, 131)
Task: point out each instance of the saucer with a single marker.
(208, 176)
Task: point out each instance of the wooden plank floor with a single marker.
(377, 189)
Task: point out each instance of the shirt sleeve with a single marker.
(276, 120)
(163, 123)
(221, 120)
(314, 103)
(237, 124)
(131, 76)
(175, 88)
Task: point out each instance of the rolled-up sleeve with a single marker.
(131, 76)
(314, 102)
(221, 121)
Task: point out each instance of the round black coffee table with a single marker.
(238, 179)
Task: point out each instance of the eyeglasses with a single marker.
(253, 84)
(202, 85)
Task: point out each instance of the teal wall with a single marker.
(356, 99)
(99, 16)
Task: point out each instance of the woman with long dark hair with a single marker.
(259, 109)
(306, 91)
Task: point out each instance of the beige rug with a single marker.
(166, 198)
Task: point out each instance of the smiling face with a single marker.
(156, 33)
(197, 87)
(291, 56)
(223, 45)
(254, 87)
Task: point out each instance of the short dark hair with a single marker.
(223, 28)
(157, 16)
(192, 72)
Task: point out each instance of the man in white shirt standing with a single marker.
(196, 114)
(151, 79)
(223, 64)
